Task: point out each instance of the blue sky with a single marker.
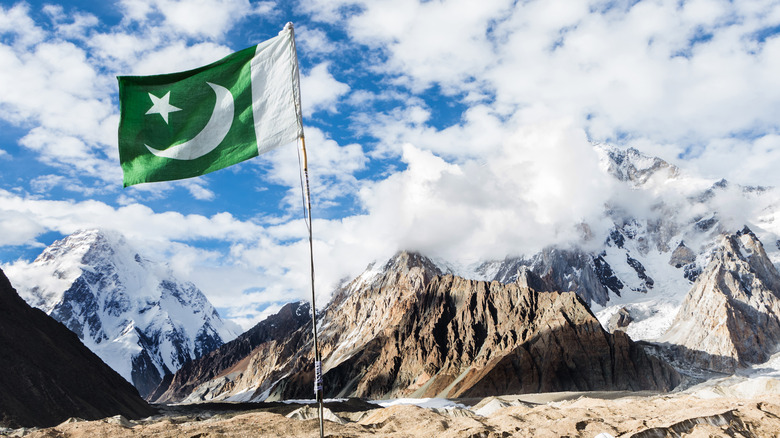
(458, 128)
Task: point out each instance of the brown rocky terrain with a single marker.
(731, 316)
(553, 415)
(407, 330)
(48, 375)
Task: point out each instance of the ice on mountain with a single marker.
(132, 313)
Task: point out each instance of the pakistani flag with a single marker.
(181, 125)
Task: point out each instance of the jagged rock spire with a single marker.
(731, 316)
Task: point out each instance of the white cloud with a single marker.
(331, 168)
(662, 72)
(320, 90)
(537, 187)
(73, 26)
(177, 56)
(201, 18)
(19, 228)
(43, 184)
(16, 21)
(198, 190)
(445, 42)
(479, 134)
(71, 154)
(313, 41)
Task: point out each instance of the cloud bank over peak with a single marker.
(536, 188)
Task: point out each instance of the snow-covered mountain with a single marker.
(665, 227)
(129, 310)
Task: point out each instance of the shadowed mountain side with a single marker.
(487, 338)
(177, 386)
(48, 375)
(409, 331)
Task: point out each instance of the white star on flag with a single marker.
(161, 106)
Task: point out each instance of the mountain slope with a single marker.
(130, 311)
(215, 363)
(407, 330)
(48, 375)
(731, 316)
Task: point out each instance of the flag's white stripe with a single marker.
(274, 93)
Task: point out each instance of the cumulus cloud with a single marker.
(16, 21)
(72, 26)
(332, 169)
(538, 187)
(320, 90)
(313, 41)
(678, 75)
(203, 18)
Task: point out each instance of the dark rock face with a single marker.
(410, 331)
(606, 276)
(683, 257)
(178, 386)
(647, 282)
(48, 375)
(565, 270)
(481, 339)
(731, 316)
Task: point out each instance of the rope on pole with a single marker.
(318, 392)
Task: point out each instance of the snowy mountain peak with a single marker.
(630, 165)
(130, 311)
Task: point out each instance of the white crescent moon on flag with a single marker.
(210, 136)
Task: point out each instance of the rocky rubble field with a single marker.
(702, 414)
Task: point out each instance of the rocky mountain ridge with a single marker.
(408, 330)
(129, 310)
(731, 317)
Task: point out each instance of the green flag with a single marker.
(186, 124)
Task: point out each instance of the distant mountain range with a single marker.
(129, 310)
(680, 288)
(700, 294)
(665, 229)
(408, 330)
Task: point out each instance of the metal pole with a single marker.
(317, 360)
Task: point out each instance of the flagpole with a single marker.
(318, 393)
(317, 360)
